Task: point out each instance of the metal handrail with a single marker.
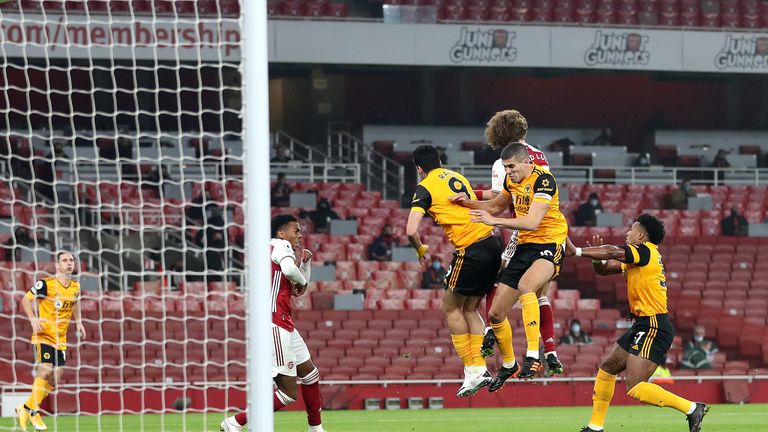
(298, 149)
(636, 175)
(380, 172)
(315, 172)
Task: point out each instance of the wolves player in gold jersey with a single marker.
(50, 306)
(644, 347)
(475, 264)
(537, 260)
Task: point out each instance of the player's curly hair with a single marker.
(505, 127)
(281, 220)
(653, 226)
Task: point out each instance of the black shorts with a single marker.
(473, 269)
(524, 257)
(45, 353)
(650, 337)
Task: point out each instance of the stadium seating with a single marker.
(144, 7)
(746, 14)
(719, 275)
(686, 13)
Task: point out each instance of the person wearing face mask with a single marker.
(586, 214)
(698, 352)
(321, 217)
(433, 278)
(576, 335)
(381, 248)
(678, 199)
(735, 224)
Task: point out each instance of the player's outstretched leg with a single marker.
(22, 417)
(489, 340)
(502, 376)
(554, 367)
(473, 382)
(695, 418)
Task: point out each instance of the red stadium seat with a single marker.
(338, 10)
(417, 304)
(499, 13)
(391, 304)
(477, 12)
(452, 12)
(315, 8)
(222, 286)
(365, 269)
(346, 270)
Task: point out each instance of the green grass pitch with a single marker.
(722, 418)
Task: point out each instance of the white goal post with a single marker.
(124, 141)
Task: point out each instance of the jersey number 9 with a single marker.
(457, 186)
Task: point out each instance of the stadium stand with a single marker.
(748, 14)
(402, 322)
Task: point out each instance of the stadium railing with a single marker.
(637, 175)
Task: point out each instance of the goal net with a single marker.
(122, 143)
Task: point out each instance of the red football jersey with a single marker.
(281, 286)
(537, 156)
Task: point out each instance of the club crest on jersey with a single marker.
(290, 365)
(527, 188)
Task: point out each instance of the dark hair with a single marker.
(279, 221)
(653, 226)
(60, 253)
(516, 150)
(426, 157)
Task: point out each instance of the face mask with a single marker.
(575, 328)
(593, 202)
(698, 338)
(436, 265)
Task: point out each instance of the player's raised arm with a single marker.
(493, 206)
(306, 270)
(284, 255)
(606, 259)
